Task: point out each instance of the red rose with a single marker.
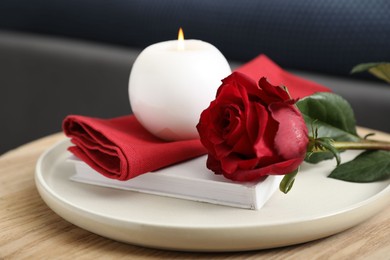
(251, 130)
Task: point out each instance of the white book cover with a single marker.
(188, 180)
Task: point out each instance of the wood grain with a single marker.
(31, 230)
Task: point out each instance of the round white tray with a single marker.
(316, 207)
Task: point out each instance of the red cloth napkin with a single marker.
(120, 148)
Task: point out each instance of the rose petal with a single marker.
(238, 79)
(266, 131)
(214, 164)
(272, 93)
(231, 124)
(280, 168)
(234, 162)
(291, 139)
(229, 164)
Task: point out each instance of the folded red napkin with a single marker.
(120, 148)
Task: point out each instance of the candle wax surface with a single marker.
(169, 87)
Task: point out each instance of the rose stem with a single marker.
(362, 145)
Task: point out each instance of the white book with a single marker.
(188, 180)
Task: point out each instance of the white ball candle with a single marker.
(172, 82)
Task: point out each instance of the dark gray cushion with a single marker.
(324, 36)
(42, 80)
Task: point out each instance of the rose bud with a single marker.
(252, 130)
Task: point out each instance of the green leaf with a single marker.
(288, 181)
(364, 67)
(369, 166)
(379, 69)
(330, 116)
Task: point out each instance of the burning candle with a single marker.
(172, 82)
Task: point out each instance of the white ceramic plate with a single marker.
(316, 207)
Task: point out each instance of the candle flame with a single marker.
(180, 39)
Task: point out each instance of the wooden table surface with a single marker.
(30, 229)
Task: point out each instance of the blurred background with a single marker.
(74, 57)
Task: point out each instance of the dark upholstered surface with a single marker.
(42, 80)
(323, 36)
